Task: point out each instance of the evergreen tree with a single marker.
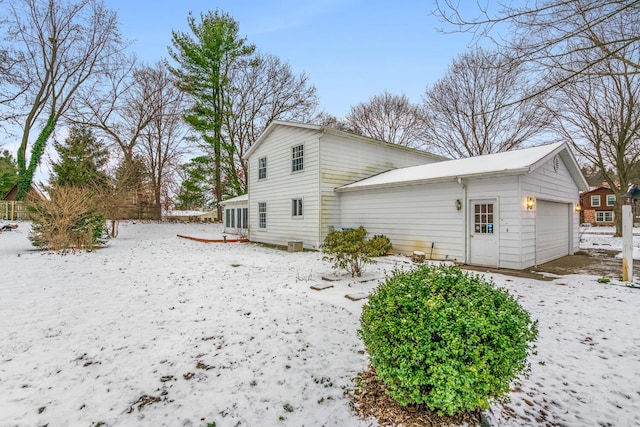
(8, 172)
(82, 160)
(205, 59)
(197, 185)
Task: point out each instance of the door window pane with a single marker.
(483, 218)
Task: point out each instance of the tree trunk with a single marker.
(25, 174)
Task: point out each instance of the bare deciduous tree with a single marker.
(121, 108)
(263, 89)
(599, 115)
(550, 32)
(62, 46)
(12, 84)
(390, 118)
(325, 119)
(478, 107)
(162, 143)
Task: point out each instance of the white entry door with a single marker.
(483, 236)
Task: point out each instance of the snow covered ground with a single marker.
(157, 330)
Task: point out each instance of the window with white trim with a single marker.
(245, 217)
(296, 208)
(595, 201)
(611, 199)
(297, 158)
(262, 215)
(604, 216)
(227, 221)
(262, 168)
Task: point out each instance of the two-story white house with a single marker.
(511, 210)
(294, 170)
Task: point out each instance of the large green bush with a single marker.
(348, 249)
(446, 339)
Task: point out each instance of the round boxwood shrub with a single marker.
(447, 339)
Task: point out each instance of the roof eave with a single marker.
(437, 180)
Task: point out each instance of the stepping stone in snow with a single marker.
(356, 297)
(321, 287)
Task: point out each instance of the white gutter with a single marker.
(353, 187)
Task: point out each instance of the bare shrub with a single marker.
(69, 219)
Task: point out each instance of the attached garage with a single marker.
(552, 231)
(509, 210)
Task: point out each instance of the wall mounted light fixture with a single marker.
(577, 208)
(530, 203)
(458, 204)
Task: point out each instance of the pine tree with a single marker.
(205, 59)
(82, 160)
(8, 172)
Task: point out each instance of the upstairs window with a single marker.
(611, 199)
(595, 201)
(262, 168)
(297, 158)
(296, 207)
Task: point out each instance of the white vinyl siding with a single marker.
(282, 185)
(346, 161)
(546, 184)
(413, 217)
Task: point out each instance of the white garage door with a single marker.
(552, 231)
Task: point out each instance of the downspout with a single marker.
(320, 184)
(464, 219)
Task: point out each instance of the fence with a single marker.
(13, 211)
(17, 211)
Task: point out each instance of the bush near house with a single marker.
(446, 339)
(348, 249)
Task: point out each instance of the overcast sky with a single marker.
(351, 49)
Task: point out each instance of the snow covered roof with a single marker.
(513, 162)
(238, 199)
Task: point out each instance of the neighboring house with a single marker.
(597, 206)
(34, 193)
(236, 214)
(10, 209)
(511, 210)
(294, 170)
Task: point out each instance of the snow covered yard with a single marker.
(157, 330)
